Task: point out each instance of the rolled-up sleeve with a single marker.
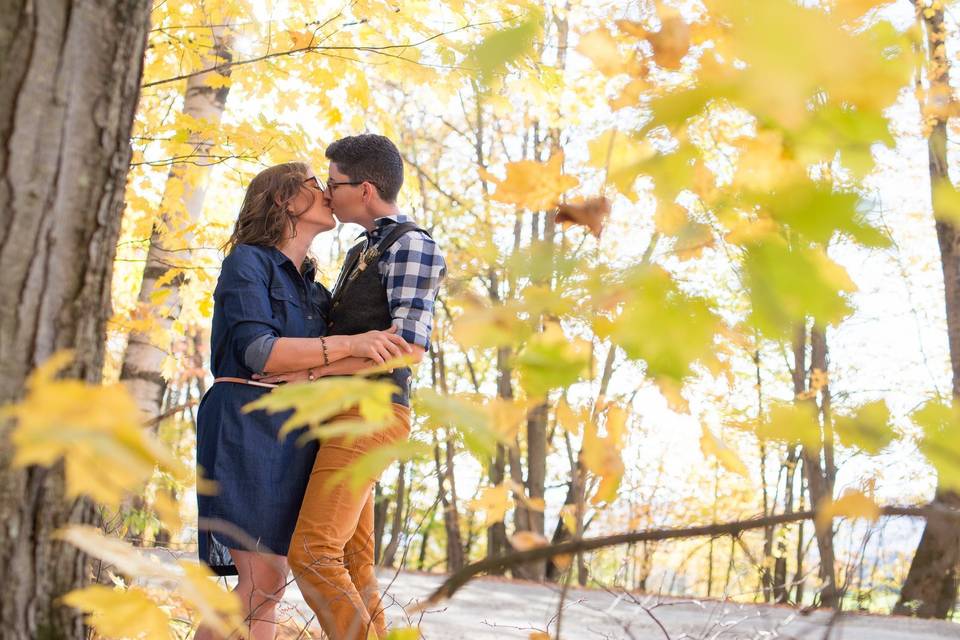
(243, 298)
(414, 269)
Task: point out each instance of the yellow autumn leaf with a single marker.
(601, 455)
(568, 513)
(568, 419)
(507, 416)
(603, 50)
(300, 39)
(671, 43)
(119, 613)
(630, 94)
(493, 502)
(622, 157)
(86, 424)
(535, 185)
(535, 504)
(217, 607)
(728, 459)
(853, 9)
(764, 164)
(525, 540)
(852, 504)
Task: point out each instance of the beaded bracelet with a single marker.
(323, 343)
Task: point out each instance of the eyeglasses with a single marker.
(314, 182)
(331, 184)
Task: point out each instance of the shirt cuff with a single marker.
(257, 352)
(413, 331)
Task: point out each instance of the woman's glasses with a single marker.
(315, 182)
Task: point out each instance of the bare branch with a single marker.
(452, 584)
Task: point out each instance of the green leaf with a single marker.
(789, 284)
(502, 47)
(314, 403)
(946, 201)
(868, 429)
(371, 464)
(940, 423)
(791, 423)
(551, 360)
(462, 413)
(661, 325)
(817, 213)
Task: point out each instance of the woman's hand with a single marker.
(379, 346)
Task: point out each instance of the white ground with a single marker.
(491, 608)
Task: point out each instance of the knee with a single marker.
(312, 558)
(298, 557)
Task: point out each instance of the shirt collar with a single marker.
(279, 258)
(384, 221)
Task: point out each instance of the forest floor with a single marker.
(489, 608)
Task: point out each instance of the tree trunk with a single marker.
(69, 82)
(396, 525)
(381, 504)
(817, 485)
(181, 207)
(781, 591)
(446, 481)
(451, 515)
(930, 589)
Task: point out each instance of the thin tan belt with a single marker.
(252, 383)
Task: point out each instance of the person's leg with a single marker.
(328, 521)
(260, 585)
(358, 555)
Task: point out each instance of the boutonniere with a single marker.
(368, 257)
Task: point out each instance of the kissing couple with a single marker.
(274, 510)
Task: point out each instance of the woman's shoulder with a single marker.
(246, 260)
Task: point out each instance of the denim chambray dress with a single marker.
(260, 480)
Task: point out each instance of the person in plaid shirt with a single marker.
(389, 280)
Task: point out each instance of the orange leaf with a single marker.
(589, 213)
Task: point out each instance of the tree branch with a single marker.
(452, 584)
(311, 47)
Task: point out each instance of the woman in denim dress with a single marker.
(268, 317)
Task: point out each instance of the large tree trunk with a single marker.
(930, 589)
(181, 206)
(69, 82)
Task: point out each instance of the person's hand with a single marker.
(290, 376)
(379, 346)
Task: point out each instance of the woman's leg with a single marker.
(260, 585)
(328, 522)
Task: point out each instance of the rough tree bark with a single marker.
(69, 83)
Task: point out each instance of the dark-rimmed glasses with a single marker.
(331, 184)
(314, 182)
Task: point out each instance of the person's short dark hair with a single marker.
(371, 158)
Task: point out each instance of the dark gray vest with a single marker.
(360, 302)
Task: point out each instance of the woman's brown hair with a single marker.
(264, 219)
